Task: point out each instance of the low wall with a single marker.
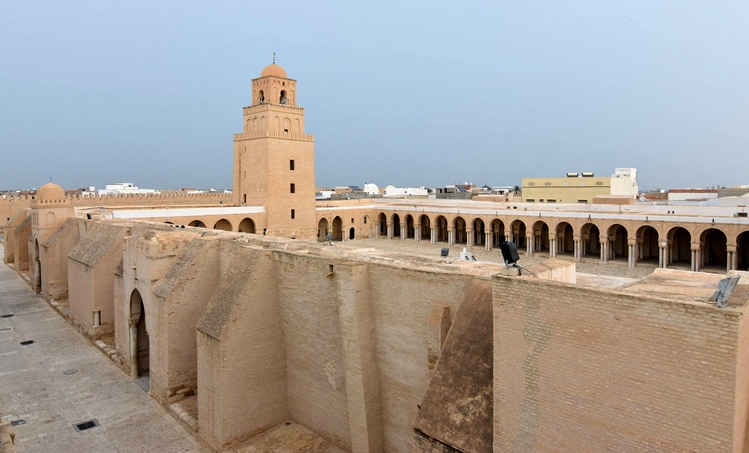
(585, 370)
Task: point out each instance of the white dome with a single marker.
(371, 188)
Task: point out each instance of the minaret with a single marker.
(274, 160)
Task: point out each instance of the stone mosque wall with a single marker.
(259, 331)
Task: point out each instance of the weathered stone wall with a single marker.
(312, 343)
(9, 236)
(353, 334)
(53, 256)
(184, 293)
(91, 269)
(21, 235)
(587, 370)
(242, 366)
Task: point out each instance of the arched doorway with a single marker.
(223, 225)
(591, 237)
(425, 227)
(517, 233)
(679, 247)
(459, 231)
(382, 221)
(351, 234)
(713, 244)
(540, 236)
(139, 342)
(247, 226)
(197, 224)
(441, 229)
(396, 226)
(742, 251)
(337, 232)
(647, 244)
(410, 231)
(478, 232)
(498, 232)
(322, 230)
(617, 242)
(565, 239)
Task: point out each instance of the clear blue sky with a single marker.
(396, 92)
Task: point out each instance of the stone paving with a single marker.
(35, 388)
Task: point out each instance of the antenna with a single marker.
(274, 58)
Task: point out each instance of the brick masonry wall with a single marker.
(314, 353)
(583, 370)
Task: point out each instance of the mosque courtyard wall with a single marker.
(266, 330)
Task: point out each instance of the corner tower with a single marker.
(274, 160)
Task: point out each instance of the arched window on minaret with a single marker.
(261, 97)
(282, 99)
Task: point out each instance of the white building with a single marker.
(124, 188)
(392, 191)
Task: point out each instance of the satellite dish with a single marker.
(725, 288)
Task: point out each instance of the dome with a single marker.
(273, 70)
(371, 188)
(50, 192)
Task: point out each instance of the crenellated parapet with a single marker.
(274, 134)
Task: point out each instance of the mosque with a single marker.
(245, 321)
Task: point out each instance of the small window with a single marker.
(599, 183)
(531, 183)
(540, 200)
(365, 220)
(291, 165)
(551, 200)
(582, 201)
(286, 130)
(97, 318)
(530, 200)
(293, 214)
(352, 220)
(292, 188)
(245, 198)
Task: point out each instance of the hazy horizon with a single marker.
(400, 93)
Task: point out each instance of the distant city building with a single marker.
(692, 194)
(392, 191)
(454, 192)
(580, 187)
(124, 188)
